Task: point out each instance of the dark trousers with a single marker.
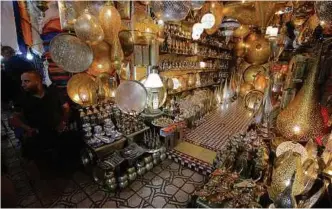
(57, 151)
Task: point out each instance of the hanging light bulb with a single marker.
(208, 20)
(29, 55)
(195, 36)
(198, 28)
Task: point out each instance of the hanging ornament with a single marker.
(258, 49)
(101, 60)
(240, 48)
(198, 28)
(82, 89)
(216, 9)
(116, 51)
(110, 21)
(245, 88)
(260, 82)
(242, 31)
(301, 120)
(70, 53)
(251, 72)
(323, 10)
(171, 10)
(127, 42)
(88, 29)
(208, 20)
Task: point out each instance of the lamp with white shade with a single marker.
(154, 84)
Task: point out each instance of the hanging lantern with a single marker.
(301, 120)
(323, 9)
(110, 21)
(70, 53)
(242, 31)
(245, 88)
(258, 49)
(251, 72)
(216, 9)
(101, 60)
(240, 48)
(171, 10)
(88, 29)
(82, 89)
(260, 82)
(127, 42)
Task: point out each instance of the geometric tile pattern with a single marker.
(167, 185)
(213, 133)
(190, 162)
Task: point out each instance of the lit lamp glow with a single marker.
(154, 83)
(297, 129)
(83, 93)
(29, 55)
(208, 20)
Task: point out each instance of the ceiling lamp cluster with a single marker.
(207, 22)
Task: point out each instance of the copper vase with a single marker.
(301, 120)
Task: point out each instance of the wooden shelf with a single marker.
(192, 55)
(177, 72)
(189, 89)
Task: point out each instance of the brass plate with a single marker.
(131, 96)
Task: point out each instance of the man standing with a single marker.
(43, 114)
(13, 67)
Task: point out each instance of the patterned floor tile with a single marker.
(87, 203)
(137, 185)
(188, 187)
(198, 178)
(99, 197)
(76, 197)
(82, 179)
(27, 200)
(181, 197)
(91, 188)
(157, 169)
(135, 201)
(63, 204)
(159, 202)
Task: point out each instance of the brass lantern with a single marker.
(258, 49)
(301, 120)
(82, 89)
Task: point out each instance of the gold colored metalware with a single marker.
(245, 88)
(79, 80)
(88, 29)
(260, 82)
(251, 72)
(240, 48)
(70, 53)
(301, 120)
(242, 31)
(110, 21)
(258, 49)
(285, 166)
(101, 60)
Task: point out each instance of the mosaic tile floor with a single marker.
(167, 185)
(219, 125)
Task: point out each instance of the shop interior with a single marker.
(166, 104)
